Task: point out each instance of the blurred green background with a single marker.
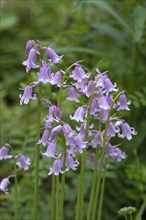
(109, 35)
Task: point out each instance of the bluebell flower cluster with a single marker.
(99, 93)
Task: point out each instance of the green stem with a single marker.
(37, 157)
(57, 198)
(53, 198)
(126, 217)
(131, 217)
(102, 159)
(80, 195)
(16, 190)
(94, 178)
(102, 193)
(62, 185)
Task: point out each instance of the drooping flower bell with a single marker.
(53, 57)
(114, 152)
(23, 162)
(79, 114)
(44, 139)
(44, 75)
(70, 163)
(30, 62)
(73, 96)
(127, 131)
(4, 185)
(4, 150)
(56, 168)
(79, 74)
(29, 45)
(27, 95)
(56, 79)
(122, 103)
(51, 150)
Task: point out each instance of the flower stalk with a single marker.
(37, 156)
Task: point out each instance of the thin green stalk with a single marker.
(16, 190)
(102, 159)
(53, 199)
(94, 178)
(131, 217)
(126, 217)
(37, 157)
(102, 193)
(62, 185)
(80, 195)
(57, 198)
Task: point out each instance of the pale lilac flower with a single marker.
(103, 103)
(23, 162)
(30, 62)
(94, 107)
(56, 79)
(54, 114)
(73, 96)
(81, 84)
(4, 152)
(77, 145)
(4, 185)
(109, 86)
(44, 75)
(97, 139)
(53, 57)
(88, 90)
(27, 95)
(44, 139)
(114, 152)
(51, 150)
(70, 163)
(104, 115)
(122, 103)
(56, 168)
(79, 114)
(127, 131)
(54, 132)
(29, 45)
(112, 130)
(79, 74)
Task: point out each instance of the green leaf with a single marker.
(139, 22)
(8, 22)
(105, 6)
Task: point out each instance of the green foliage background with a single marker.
(109, 35)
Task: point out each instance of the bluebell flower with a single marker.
(44, 75)
(79, 114)
(30, 62)
(56, 79)
(51, 150)
(4, 185)
(27, 95)
(53, 57)
(56, 169)
(23, 162)
(127, 131)
(79, 74)
(44, 139)
(73, 96)
(29, 45)
(122, 103)
(4, 150)
(114, 152)
(70, 163)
